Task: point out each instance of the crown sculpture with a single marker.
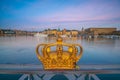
(59, 55)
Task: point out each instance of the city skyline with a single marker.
(69, 14)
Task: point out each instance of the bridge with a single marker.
(36, 72)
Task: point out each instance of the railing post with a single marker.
(23, 77)
(29, 76)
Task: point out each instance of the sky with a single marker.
(54, 14)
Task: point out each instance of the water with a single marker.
(21, 50)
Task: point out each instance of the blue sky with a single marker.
(69, 14)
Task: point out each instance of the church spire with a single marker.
(58, 29)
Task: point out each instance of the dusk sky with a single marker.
(54, 14)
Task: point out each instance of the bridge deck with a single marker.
(34, 69)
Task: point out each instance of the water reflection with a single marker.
(15, 50)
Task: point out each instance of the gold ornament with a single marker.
(59, 55)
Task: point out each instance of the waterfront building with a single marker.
(54, 31)
(59, 32)
(7, 32)
(64, 31)
(68, 33)
(95, 32)
(101, 30)
(1, 32)
(19, 32)
(116, 33)
(31, 33)
(74, 33)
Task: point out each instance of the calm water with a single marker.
(21, 50)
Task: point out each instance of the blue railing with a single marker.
(36, 72)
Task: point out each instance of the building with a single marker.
(7, 32)
(68, 33)
(20, 32)
(52, 32)
(1, 32)
(116, 33)
(74, 33)
(59, 32)
(100, 30)
(29, 33)
(94, 32)
(64, 31)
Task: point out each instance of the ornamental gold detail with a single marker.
(59, 55)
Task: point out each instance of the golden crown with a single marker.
(62, 56)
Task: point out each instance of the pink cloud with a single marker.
(88, 11)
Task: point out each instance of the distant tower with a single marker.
(64, 31)
(82, 29)
(48, 31)
(59, 32)
(58, 29)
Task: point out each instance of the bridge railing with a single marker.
(36, 72)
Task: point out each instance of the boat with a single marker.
(63, 36)
(40, 35)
